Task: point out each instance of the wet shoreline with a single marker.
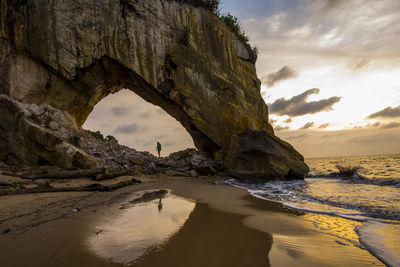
(227, 224)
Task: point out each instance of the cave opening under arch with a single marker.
(138, 124)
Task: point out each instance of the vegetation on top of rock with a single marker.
(109, 137)
(211, 5)
(230, 20)
(99, 136)
(233, 23)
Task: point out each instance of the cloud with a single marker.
(330, 5)
(333, 135)
(144, 115)
(374, 125)
(284, 73)
(148, 143)
(307, 125)
(161, 136)
(391, 125)
(388, 112)
(280, 128)
(298, 136)
(169, 143)
(130, 128)
(120, 111)
(380, 125)
(154, 139)
(288, 120)
(326, 32)
(324, 125)
(358, 64)
(272, 121)
(374, 139)
(333, 4)
(297, 105)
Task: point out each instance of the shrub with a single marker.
(211, 5)
(347, 170)
(255, 50)
(109, 137)
(98, 135)
(233, 23)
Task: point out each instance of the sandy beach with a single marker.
(225, 226)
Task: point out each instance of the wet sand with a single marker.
(227, 227)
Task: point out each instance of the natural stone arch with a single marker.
(118, 77)
(181, 58)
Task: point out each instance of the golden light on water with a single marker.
(335, 226)
(139, 228)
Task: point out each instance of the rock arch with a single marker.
(71, 54)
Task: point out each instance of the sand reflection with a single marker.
(140, 227)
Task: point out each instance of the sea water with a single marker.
(363, 209)
(138, 228)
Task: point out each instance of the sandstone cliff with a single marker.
(71, 54)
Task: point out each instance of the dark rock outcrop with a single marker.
(250, 146)
(68, 55)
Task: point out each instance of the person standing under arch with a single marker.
(158, 148)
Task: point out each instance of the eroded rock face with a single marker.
(71, 54)
(27, 136)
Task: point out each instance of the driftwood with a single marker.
(107, 176)
(12, 174)
(62, 174)
(46, 188)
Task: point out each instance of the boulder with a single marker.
(262, 156)
(183, 154)
(137, 161)
(166, 162)
(203, 165)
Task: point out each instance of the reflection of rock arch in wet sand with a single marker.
(84, 51)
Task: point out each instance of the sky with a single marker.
(330, 72)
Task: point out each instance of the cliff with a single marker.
(68, 55)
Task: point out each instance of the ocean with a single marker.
(361, 210)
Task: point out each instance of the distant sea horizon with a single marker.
(361, 155)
